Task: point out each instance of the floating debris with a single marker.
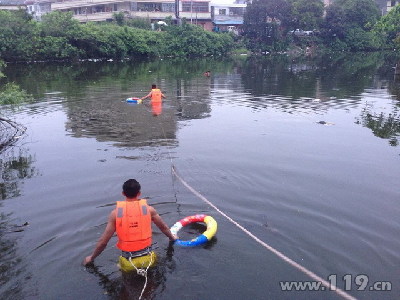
(128, 157)
(325, 123)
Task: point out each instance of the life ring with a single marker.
(134, 100)
(201, 239)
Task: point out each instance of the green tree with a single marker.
(17, 34)
(119, 18)
(388, 29)
(192, 40)
(58, 34)
(306, 14)
(2, 65)
(263, 24)
(142, 23)
(59, 24)
(348, 22)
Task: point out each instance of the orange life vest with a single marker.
(156, 95)
(133, 225)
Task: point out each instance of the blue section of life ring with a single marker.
(201, 239)
(134, 100)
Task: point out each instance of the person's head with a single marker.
(131, 188)
(153, 86)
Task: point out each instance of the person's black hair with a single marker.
(131, 188)
(153, 86)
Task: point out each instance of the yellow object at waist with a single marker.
(141, 262)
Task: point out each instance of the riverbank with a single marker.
(60, 37)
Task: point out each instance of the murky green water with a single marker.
(303, 153)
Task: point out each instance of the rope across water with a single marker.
(291, 262)
(314, 276)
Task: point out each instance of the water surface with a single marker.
(303, 153)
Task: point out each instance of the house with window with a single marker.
(38, 8)
(195, 12)
(92, 10)
(391, 4)
(228, 16)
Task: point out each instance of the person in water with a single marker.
(207, 73)
(155, 94)
(131, 219)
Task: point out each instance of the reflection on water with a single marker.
(11, 265)
(16, 164)
(246, 137)
(395, 87)
(156, 108)
(326, 79)
(382, 125)
(105, 115)
(119, 122)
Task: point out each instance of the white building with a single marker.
(391, 4)
(228, 16)
(195, 11)
(38, 8)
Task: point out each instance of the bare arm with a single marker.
(103, 241)
(155, 217)
(147, 96)
(163, 96)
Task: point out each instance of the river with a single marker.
(303, 153)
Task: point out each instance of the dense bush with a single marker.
(59, 36)
(18, 35)
(387, 30)
(347, 25)
(12, 94)
(191, 40)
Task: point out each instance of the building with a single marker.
(38, 8)
(92, 10)
(12, 4)
(195, 12)
(391, 4)
(228, 16)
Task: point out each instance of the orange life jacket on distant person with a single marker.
(133, 225)
(156, 95)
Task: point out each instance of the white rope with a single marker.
(142, 272)
(273, 250)
(311, 274)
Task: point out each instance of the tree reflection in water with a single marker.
(14, 166)
(382, 125)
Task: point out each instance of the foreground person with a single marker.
(131, 219)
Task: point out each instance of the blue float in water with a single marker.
(134, 100)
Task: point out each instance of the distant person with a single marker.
(155, 94)
(207, 73)
(131, 219)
